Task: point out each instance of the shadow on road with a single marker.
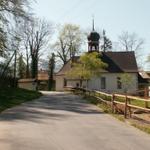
(58, 106)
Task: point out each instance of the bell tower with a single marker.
(93, 40)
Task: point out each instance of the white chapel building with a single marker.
(110, 79)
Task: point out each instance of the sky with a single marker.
(115, 16)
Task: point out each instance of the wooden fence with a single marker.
(117, 99)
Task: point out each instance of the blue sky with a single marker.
(114, 16)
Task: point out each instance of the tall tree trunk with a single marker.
(27, 67)
(34, 67)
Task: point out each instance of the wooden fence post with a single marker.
(112, 102)
(125, 107)
(146, 96)
(130, 111)
(94, 93)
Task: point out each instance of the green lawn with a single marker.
(121, 99)
(10, 97)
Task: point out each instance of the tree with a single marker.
(27, 53)
(126, 80)
(21, 67)
(51, 68)
(14, 10)
(17, 8)
(89, 65)
(12, 13)
(38, 34)
(25, 47)
(148, 62)
(130, 42)
(106, 43)
(68, 42)
(3, 40)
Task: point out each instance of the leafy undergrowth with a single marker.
(10, 97)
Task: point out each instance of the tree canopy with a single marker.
(106, 42)
(68, 42)
(88, 65)
(126, 80)
(130, 42)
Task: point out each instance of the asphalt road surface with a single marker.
(61, 121)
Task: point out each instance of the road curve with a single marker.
(61, 121)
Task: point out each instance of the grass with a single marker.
(121, 99)
(145, 128)
(107, 109)
(103, 96)
(10, 97)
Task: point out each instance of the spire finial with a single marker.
(93, 23)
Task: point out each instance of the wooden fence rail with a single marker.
(126, 103)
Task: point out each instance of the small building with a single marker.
(43, 78)
(110, 79)
(144, 79)
(29, 84)
(41, 83)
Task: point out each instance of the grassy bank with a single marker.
(10, 97)
(140, 125)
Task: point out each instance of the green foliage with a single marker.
(89, 65)
(107, 44)
(21, 67)
(103, 96)
(3, 39)
(126, 80)
(51, 72)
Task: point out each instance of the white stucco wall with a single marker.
(95, 83)
(73, 83)
(70, 83)
(111, 83)
(29, 86)
(60, 83)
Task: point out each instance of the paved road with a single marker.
(60, 121)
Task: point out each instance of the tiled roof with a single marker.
(144, 75)
(117, 62)
(43, 75)
(66, 67)
(120, 61)
(26, 80)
